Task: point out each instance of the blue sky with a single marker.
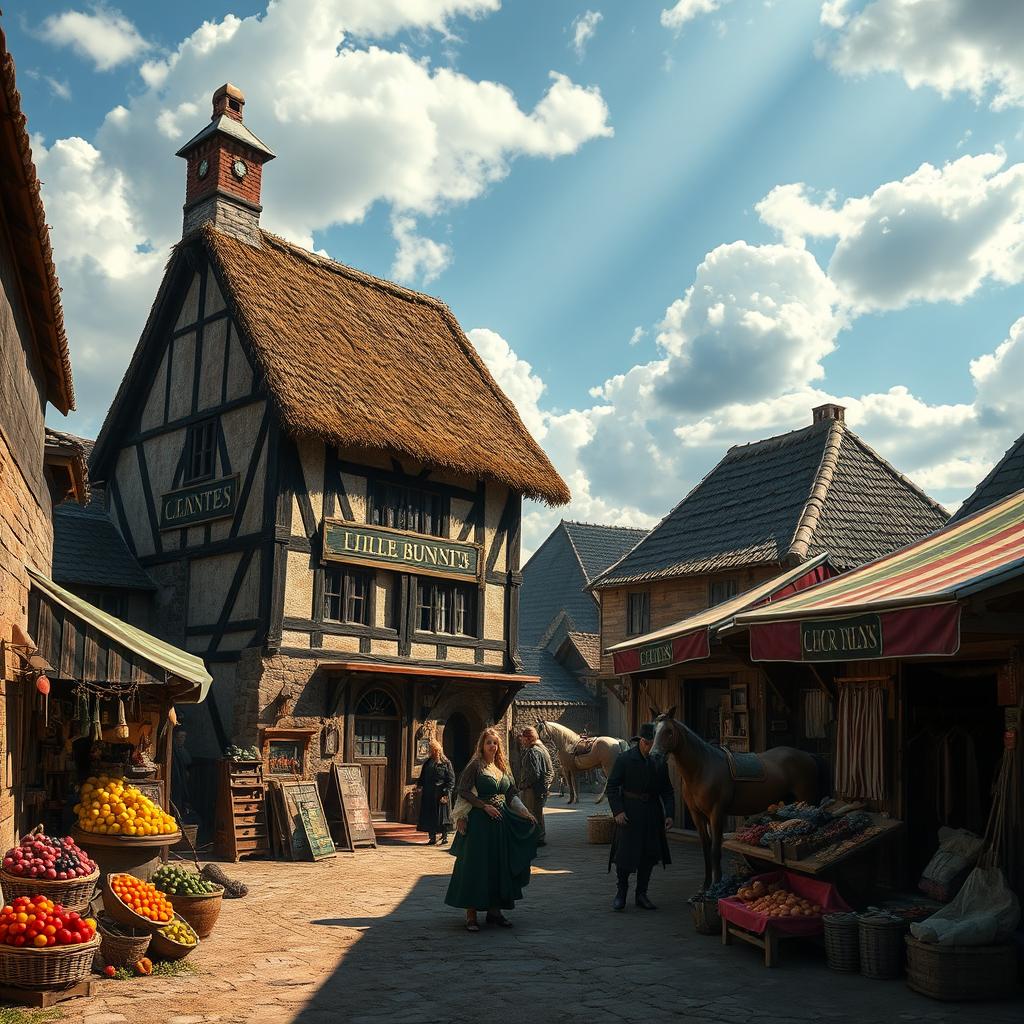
(839, 183)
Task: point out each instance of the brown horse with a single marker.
(602, 754)
(711, 792)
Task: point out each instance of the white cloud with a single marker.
(639, 333)
(937, 234)
(688, 10)
(583, 28)
(972, 46)
(515, 377)
(417, 259)
(353, 126)
(106, 36)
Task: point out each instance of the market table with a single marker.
(138, 855)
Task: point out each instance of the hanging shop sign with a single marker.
(859, 636)
(199, 503)
(398, 549)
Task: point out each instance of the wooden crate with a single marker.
(241, 811)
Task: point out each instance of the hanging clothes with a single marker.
(860, 741)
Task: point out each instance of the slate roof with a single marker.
(1006, 477)
(89, 551)
(558, 685)
(589, 647)
(599, 546)
(781, 501)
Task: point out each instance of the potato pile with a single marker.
(775, 901)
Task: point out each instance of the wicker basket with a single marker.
(71, 893)
(600, 828)
(121, 946)
(842, 944)
(881, 945)
(201, 912)
(167, 949)
(706, 919)
(51, 967)
(961, 972)
(117, 909)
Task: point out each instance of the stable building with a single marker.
(325, 483)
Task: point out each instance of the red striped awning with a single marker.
(690, 638)
(905, 604)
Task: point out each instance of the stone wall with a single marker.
(578, 717)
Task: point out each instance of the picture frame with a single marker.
(286, 756)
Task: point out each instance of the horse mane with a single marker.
(562, 734)
(695, 737)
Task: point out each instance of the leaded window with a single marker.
(347, 595)
(443, 607)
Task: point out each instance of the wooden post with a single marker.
(168, 756)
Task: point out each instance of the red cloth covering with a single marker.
(823, 893)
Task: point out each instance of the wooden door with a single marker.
(376, 732)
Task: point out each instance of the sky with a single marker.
(668, 228)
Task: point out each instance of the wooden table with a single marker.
(769, 942)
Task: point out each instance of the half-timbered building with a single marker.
(325, 483)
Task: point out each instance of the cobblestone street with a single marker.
(366, 938)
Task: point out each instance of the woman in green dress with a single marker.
(496, 837)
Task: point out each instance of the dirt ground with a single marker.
(366, 938)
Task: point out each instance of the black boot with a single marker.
(432, 841)
(619, 903)
(444, 838)
(643, 902)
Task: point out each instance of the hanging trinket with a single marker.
(329, 740)
(81, 727)
(43, 686)
(97, 725)
(121, 732)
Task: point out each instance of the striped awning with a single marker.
(83, 643)
(690, 638)
(905, 604)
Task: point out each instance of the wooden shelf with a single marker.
(241, 811)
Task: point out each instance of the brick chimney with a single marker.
(224, 171)
(829, 411)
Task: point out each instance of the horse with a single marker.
(711, 792)
(602, 754)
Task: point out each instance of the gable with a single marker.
(553, 582)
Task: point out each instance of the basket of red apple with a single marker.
(43, 945)
(55, 868)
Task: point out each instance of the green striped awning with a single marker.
(82, 642)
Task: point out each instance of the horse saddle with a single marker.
(745, 767)
(582, 746)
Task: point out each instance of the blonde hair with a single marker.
(436, 750)
(500, 761)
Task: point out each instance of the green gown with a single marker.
(492, 857)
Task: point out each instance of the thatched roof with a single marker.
(22, 210)
(356, 360)
(781, 501)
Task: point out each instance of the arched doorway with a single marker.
(457, 742)
(376, 743)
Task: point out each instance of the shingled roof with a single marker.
(558, 684)
(23, 212)
(352, 359)
(598, 546)
(1006, 477)
(88, 550)
(781, 501)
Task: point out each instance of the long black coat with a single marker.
(641, 842)
(437, 779)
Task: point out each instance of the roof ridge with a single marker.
(575, 551)
(603, 526)
(742, 448)
(807, 524)
(961, 512)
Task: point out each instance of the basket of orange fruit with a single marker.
(43, 945)
(133, 902)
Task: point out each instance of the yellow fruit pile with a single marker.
(180, 932)
(111, 806)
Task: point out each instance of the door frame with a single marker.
(398, 766)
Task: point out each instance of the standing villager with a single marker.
(497, 837)
(437, 780)
(538, 773)
(641, 797)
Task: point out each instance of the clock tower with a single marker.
(225, 167)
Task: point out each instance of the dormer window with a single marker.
(200, 451)
(406, 508)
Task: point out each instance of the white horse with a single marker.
(602, 754)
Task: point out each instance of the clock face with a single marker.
(239, 169)
(204, 166)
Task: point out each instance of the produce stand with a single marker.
(139, 856)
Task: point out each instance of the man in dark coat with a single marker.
(641, 797)
(535, 778)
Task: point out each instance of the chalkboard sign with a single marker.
(346, 790)
(292, 796)
(318, 835)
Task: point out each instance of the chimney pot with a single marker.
(829, 411)
(228, 100)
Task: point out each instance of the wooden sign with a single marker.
(854, 636)
(345, 782)
(318, 835)
(386, 548)
(199, 503)
(290, 797)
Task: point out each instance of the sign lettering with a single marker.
(377, 545)
(655, 654)
(858, 636)
(215, 499)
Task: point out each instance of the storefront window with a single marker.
(445, 608)
(406, 508)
